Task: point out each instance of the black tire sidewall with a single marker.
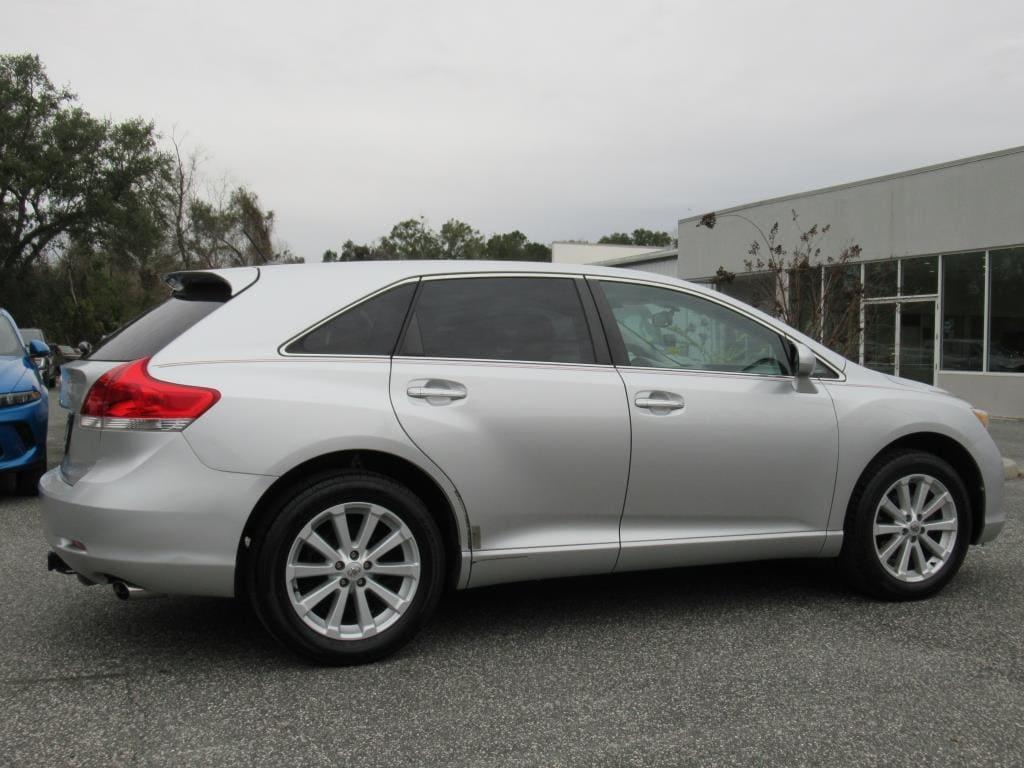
(269, 590)
(862, 552)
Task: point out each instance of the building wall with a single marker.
(667, 267)
(966, 205)
(593, 253)
(1001, 394)
(975, 204)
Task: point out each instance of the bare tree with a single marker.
(818, 295)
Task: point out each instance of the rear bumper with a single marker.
(167, 523)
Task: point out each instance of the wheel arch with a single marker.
(958, 457)
(419, 481)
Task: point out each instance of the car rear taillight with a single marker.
(127, 397)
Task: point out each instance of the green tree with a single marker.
(640, 236)
(411, 239)
(65, 175)
(515, 246)
(616, 238)
(460, 241)
(651, 238)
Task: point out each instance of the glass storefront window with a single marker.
(920, 276)
(880, 278)
(755, 288)
(842, 309)
(963, 311)
(1006, 323)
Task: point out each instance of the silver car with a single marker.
(340, 443)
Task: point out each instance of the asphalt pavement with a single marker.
(753, 664)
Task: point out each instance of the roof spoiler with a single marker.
(214, 284)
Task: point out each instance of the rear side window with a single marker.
(369, 328)
(500, 318)
(148, 334)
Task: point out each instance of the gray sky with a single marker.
(563, 119)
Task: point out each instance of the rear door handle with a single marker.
(659, 401)
(436, 392)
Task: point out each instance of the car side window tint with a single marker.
(9, 344)
(662, 328)
(371, 327)
(534, 319)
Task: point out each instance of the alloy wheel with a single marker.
(352, 571)
(915, 528)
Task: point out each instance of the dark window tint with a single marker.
(154, 330)
(10, 346)
(369, 328)
(500, 318)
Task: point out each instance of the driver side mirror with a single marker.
(805, 361)
(37, 348)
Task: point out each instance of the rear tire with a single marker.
(908, 527)
(308, 579)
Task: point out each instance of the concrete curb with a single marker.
(1010, 469)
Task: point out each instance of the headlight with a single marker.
(981, 415)
(19, 398)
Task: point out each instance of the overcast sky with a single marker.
(566, 120)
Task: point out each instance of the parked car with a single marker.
(45, 363)
(24, 407)
(340, 442)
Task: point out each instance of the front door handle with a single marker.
(436, 392)
(659, 402)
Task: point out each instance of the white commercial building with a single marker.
(942, 266)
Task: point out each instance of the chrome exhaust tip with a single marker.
(123, 591)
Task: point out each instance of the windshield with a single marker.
(10, 346)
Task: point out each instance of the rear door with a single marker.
(505, 384)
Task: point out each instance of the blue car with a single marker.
(24, 408)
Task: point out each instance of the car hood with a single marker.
(12, 373)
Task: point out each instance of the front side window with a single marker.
(536, 319)
(662, 328)
(371, 327)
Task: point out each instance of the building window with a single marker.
(880, 278)
(963, 311)
(843, 292)
(754, 288)
(920, 276)
(1006, 311)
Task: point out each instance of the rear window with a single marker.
(148, 334)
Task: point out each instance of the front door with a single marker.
(498, 382)
(731, 457)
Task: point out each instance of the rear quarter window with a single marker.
(371, 327)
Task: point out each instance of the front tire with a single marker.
(349, 570)
(907, 530)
